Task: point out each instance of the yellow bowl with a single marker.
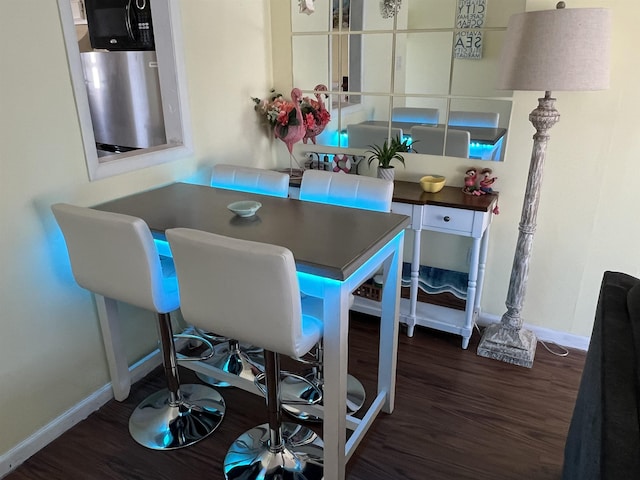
(432, 183)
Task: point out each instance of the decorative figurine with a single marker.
(471, 175)
(474, 185)
(290, 126)
(487, 180)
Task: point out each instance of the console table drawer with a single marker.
(448, 219)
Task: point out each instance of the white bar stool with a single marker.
(249, 291)
(352, 191)
(114, 255)
(229, 355)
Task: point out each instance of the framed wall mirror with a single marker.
(426, 65)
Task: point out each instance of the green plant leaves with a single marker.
(388, 151)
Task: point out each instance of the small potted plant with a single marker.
(387, 152)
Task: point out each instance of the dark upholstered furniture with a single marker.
(604, 436)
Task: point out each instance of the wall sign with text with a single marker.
(470, 15)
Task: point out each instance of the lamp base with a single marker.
(512, 345)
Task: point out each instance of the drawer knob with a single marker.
(447, 218)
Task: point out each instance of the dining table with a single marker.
(335, 248)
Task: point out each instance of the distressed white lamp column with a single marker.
(561, 49)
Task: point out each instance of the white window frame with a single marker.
(169, 48)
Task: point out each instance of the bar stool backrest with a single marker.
(458, 118)
(242, 289)
(363, 136)
(249, 179)
(114, 255)
(432, 141)
(415, 115)
(354, 191)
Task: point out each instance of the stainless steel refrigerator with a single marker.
(124, 99)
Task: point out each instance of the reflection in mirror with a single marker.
(423, 63)
(340, 15)
(372, 110)
(315, 72)
(429, 14)
(486, 120)
(478, 77)
(347, 74)
(376, 72)
(372, 119)
(445, 55)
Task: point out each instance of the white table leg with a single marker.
(389, 325)
(113, 346)
(336, 356)
(415, 276)
(471, 292)
(336, 360)
(484, 247)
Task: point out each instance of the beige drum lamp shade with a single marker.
(562, 49)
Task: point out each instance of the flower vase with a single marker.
(387, 173)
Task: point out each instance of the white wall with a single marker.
(51, 354)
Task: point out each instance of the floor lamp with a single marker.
(561, 49)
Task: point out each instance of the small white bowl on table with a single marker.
(244, 208)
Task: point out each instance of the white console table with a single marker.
(448, 211)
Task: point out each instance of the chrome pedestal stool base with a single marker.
(161, 425)
(355, 396)
(245, 361)
(251, 456)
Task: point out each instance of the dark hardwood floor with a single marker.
(457, 416)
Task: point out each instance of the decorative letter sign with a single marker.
(470, 15)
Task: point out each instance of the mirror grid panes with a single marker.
(428, 64)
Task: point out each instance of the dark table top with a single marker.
(454, 197)
(486, 135)
(325, 240)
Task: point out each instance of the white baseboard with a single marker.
(545, 334)
(40, 439)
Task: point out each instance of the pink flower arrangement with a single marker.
(276, 110)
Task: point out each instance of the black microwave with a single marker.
(120, 24)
